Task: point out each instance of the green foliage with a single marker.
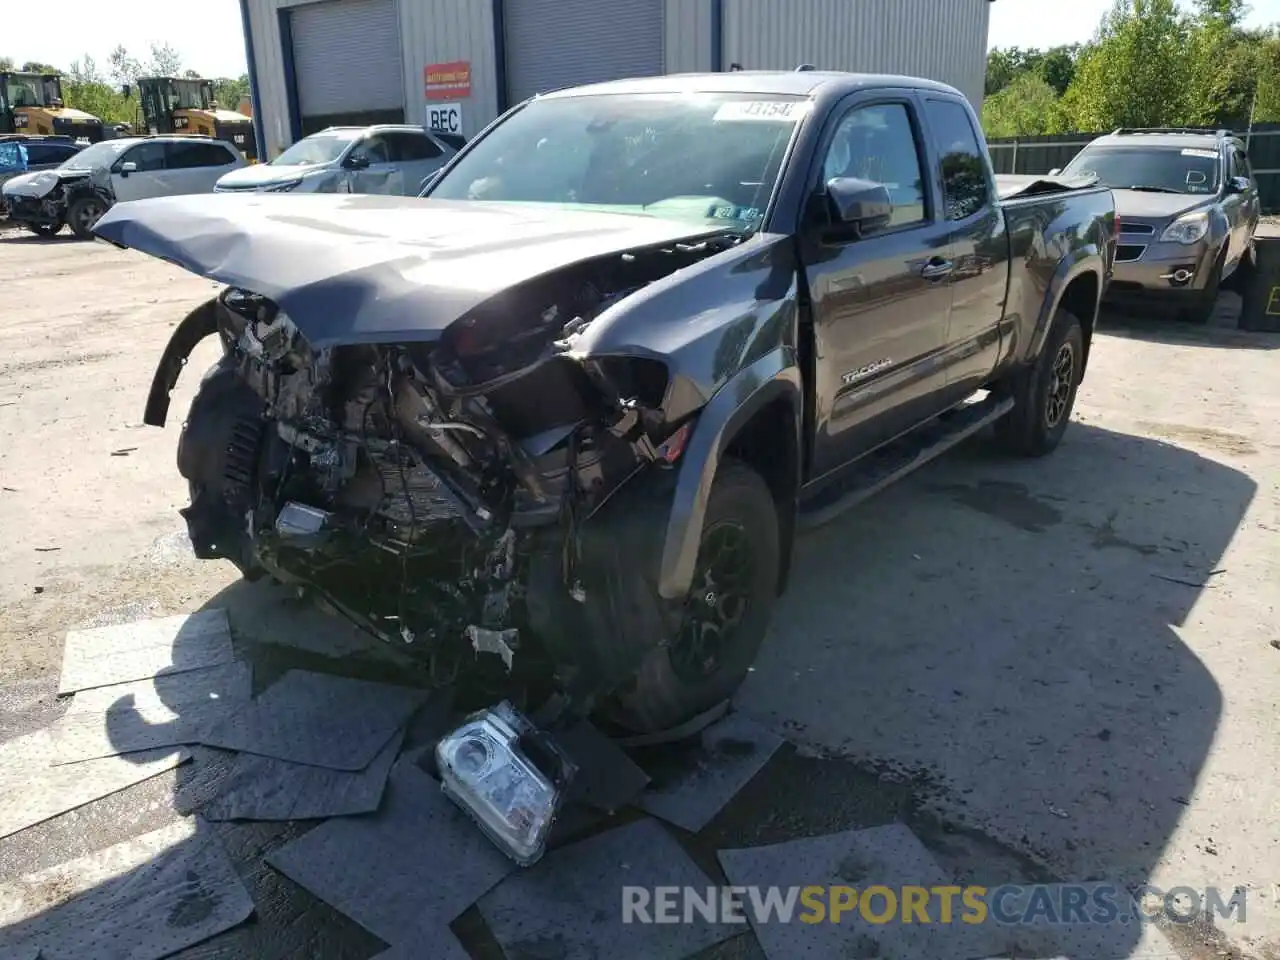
(1026, 107)
(1150, 63)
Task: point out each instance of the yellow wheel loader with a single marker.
(31, 103)
(186, 105)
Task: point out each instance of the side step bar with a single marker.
(901, 457)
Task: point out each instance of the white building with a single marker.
(313, 63)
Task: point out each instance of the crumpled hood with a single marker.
(352, 268)
(262, 174)
(39, 183)
(1154, 206)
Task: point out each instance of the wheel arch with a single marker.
(754, 412)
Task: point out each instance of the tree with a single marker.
(165, 61)
(124, 68)
(228, 91)
(84, 87)
(35, 66)
(1137, 72)
(1026, 107)
(6, 63)
(1058, 67)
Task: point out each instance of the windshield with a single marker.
(317, 148)
(1164, 169)
(98, 155)
(706, 158)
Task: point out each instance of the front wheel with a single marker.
(1203, 302)
(725, 617)
(83, 213)
(1044, 393)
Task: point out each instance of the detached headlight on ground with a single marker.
(1188, 229)
(484, 769)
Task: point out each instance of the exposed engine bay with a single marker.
(436, 492)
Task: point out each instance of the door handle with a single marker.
(937, 269)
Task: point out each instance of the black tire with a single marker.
(1203, 302)
(83, 213)
(1044, 393)
(46, 230)
(1239, 280)
(683, 678)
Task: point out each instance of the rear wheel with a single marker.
(725, 616)
(1044, 393)
(83, 213)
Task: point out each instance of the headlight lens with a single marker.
(284, 187)
(1189, 229)
(484, 771)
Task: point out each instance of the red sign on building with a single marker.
(447, 81)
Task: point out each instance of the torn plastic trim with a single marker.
(200, 323)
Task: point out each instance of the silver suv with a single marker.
(386, 158)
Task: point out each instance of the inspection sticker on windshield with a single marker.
(768, 111)
(1207, 154)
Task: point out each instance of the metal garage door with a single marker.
(569, 42)
(346, 61)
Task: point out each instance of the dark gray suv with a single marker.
(1188, 206)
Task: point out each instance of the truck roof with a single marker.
(801, 83)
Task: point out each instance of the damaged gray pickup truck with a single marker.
(565, 413)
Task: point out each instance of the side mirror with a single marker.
(859, 206)
(357, 161)
(127, 168)
(1055, 171)
(1237, 185)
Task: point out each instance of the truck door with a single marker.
(880, 301)
(977, 241)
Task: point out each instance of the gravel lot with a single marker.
(1065, 669)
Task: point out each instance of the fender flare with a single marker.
(200, 323)
(1088, 259)
(774, 375)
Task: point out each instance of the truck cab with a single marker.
(186, 105)
(31, 103)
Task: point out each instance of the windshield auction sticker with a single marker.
(1207, 154)
(766, 111)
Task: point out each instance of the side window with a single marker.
(148, 156)
(42, 153)
(1240, 164)
(407, 147)
(878, 143)
(374, 149)
(965, 187)
(202, 154)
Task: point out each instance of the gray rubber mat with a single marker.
(435, 945)
(145, 714)
(570, 904)
(890, 855)
(319, 719)
(134, 651)
(732, 752)
(141, 899)
(607, 778)
(402, 873)
(242, 786)
(32, 790)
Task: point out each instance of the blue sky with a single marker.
(207, 33)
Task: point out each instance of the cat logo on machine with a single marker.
(875, 366)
